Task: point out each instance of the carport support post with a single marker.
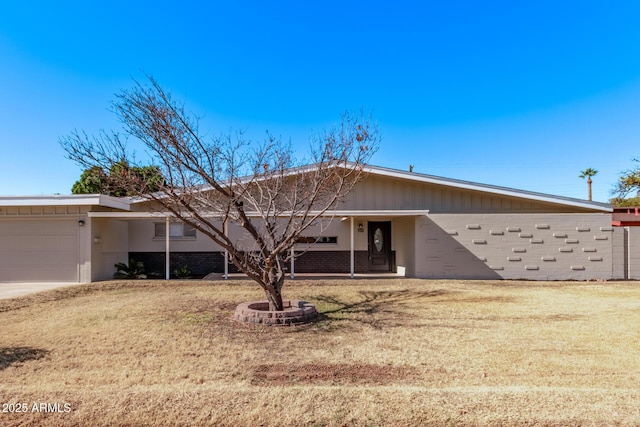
(226, 252)
(352, 252)
(293, 263)
(166, 247)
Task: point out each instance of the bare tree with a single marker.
(210, 183)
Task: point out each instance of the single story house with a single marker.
(394, 221)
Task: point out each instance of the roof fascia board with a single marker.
(68, 200)
(339, 213)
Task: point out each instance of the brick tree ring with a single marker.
(295, 312)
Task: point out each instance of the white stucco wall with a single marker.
(141, 232)
(109, 243)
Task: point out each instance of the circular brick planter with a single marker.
(295, 312)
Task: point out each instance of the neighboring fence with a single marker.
(626, 253)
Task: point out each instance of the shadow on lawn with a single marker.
(11, 355)
(377, 308)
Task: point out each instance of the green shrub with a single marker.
(135, 270)
(183, 272)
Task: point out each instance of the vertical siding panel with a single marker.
(439, 202)
(467, 203)
(431, 199)
(457, 200)
(496, 203)
(369, 199)
(506, 204)
(419, 197)
(485, 203)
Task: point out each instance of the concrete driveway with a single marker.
(10, 290)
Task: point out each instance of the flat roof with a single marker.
(67, 200)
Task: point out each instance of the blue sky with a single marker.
(519, 94)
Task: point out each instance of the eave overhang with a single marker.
(68, 200)
(328, 214)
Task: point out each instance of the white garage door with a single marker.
(38, 250)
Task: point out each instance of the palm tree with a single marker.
(588, 173)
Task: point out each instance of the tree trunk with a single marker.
(589, 181)
(275, 300)
(273, 289)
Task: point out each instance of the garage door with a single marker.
(38, 250)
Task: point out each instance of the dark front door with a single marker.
(380, 246)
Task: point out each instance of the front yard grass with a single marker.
(398, 352)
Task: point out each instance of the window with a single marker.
(320, 239)
(177, 230)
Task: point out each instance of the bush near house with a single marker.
(134, 270)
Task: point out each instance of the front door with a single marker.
(380, 246)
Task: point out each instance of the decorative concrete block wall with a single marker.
(633, 252)
(515, 246)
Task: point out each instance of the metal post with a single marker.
(226, 253)
(166, 249)
(352, 254)
(293, 273)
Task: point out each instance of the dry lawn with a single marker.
(387, 352)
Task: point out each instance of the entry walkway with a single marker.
(10, 290)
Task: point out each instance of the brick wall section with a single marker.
(203, 263)
(199, 263)
(331, 262)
